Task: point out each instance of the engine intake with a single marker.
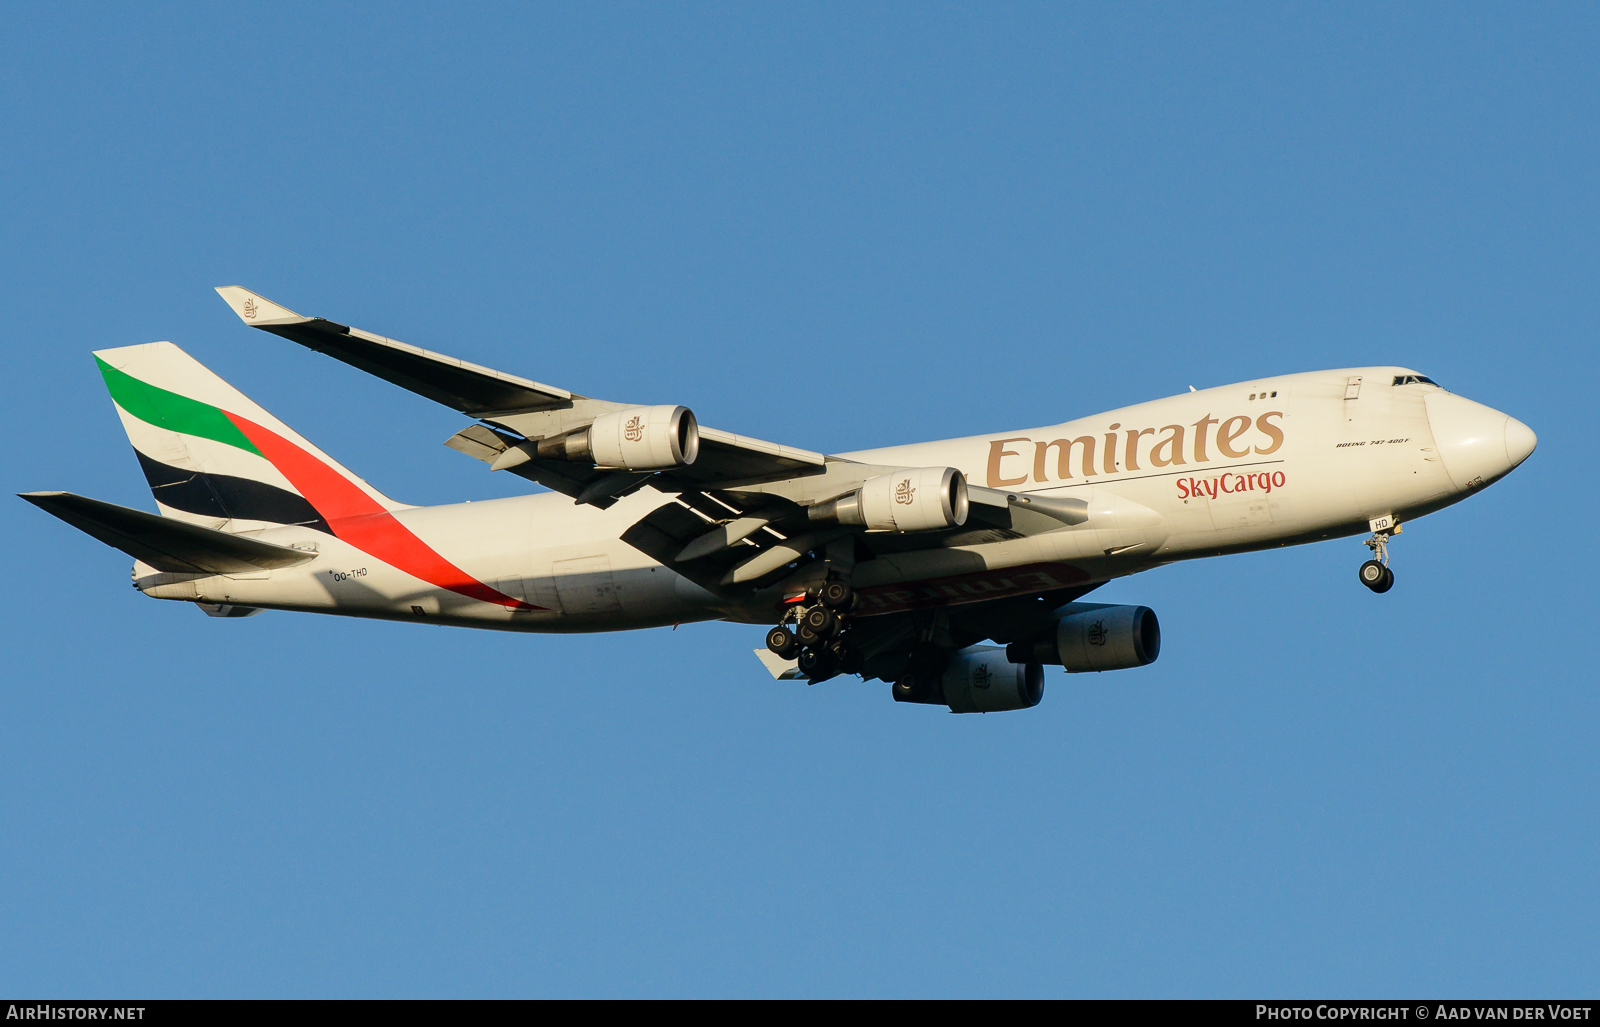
(986, 681)
(1094, 637)
(636, 439)
(917, 499)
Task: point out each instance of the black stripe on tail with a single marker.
(224, 496)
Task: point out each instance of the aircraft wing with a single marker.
(469, 388)
(528, 408)
(740, 515)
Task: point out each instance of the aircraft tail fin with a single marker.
(215, 458)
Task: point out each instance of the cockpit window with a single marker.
(1413, 379)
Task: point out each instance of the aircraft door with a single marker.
(1367, 404)
(585, 587)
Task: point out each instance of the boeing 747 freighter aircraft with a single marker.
(886, 563)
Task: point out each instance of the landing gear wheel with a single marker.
(782, 643)
(1375, 573)
(836, 595)
(915, 687)
(923, 680)
(907, 689)
(818, 664)
(820, 621)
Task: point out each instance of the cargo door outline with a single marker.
(585, 588)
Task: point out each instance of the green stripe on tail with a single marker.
(171, 411)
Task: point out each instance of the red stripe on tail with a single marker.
(356, 518)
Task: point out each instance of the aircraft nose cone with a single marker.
(1520, 441)
(1478, 444)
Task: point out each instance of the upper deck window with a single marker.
(1414, 379)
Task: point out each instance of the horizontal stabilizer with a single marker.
(164, 543)
(777, 666)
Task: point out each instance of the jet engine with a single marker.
(986, 681)
(917, 499)
(1096, 637)
(636, 439)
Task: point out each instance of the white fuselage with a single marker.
(1277, 461)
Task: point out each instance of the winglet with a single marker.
(257, 310)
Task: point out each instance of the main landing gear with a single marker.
(819, 642)
(921, 681)
(1375, 573)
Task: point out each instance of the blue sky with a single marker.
(835, 227)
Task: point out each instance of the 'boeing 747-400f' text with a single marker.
(888, 563)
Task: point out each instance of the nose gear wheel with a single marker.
(1375, 573)
(1376, 576)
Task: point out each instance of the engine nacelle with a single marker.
(1092, 637)
(918, 499)
(985, 681)
(636, 439)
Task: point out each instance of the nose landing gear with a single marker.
(1375, 573)
(1376, 576)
